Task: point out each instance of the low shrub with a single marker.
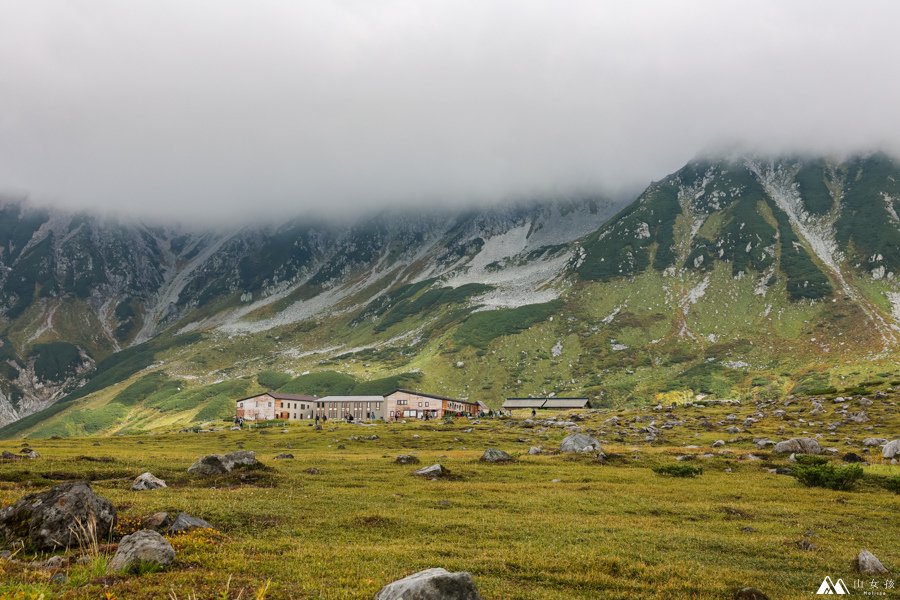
(890, 483)
(810, 459)
(678, 470)
(828, 475)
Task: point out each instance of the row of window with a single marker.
(350, 404)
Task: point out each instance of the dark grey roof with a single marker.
(547, 403)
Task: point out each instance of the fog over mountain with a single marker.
(220, 109)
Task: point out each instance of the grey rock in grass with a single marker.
(432, 471)
(860, 417)
(750, 593)
(579, 442)
(868, 564)
(69, 515)
(535, 450)
(718, 443)
(144, 549)
(798, 446)
(870, 442)
(493, 455)
(284, 456)
(158, 520)
(220, 464)
(891, 449)
(147, 481)
(56, 562)
(185, 522)
(431, 584)
(30, 453)
(406, 459)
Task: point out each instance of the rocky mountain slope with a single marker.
(744, 275)
(78, 289)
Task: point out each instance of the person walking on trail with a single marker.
(533, 413)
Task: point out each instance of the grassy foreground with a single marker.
(546, 526)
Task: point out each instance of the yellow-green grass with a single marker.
(613, 530)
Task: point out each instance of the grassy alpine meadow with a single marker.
(342, 519)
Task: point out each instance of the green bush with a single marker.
(321, 383)
(678, 470)
(890, 483)
(386, 385)
(56, 360)
(190, 398)
(828, 476)
(272, 380)
(146, 386)
(813, 384)
(429, 301)
(480, 328)
(805, 280)
(810, 460)
(706, 378)
(615, 250)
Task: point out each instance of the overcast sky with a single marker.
(222, 108)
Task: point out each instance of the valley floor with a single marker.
(546, 526)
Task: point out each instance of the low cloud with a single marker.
(220, 109)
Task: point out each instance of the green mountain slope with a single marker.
(739, 277)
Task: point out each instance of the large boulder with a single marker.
(579, 442)
(185, 522)
(871, 442)
(493, 455)
(891, 449)
(432, 471)
(68, 515)
(142, 550)
(147, 481)
(431, 584)
(798, 446)
(220, 464)
(868, 564)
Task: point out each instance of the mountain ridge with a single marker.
(714, 277)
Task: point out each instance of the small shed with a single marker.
(563, 403)
(518, 403)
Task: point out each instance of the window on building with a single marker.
(426, 404)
